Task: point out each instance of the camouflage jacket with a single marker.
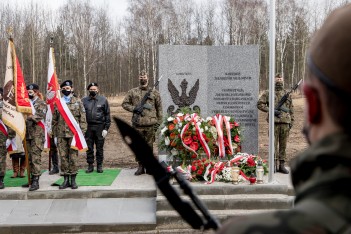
(150, 116)
(33, 130)
(59, 126)
(287, 115)
(321, 178)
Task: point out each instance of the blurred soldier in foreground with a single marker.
(98, 118)
(5, 133)
(322, 174)
(64, 135)
(147, 116)
(35, 134)
(283, 121)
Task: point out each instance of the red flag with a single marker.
(15, 94)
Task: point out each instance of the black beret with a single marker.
(92, 84)
(66, 83)
(32, 87)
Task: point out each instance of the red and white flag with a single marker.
(10, 143)
(15, 96)
(53, 96)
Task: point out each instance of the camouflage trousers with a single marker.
(148, 134)
(35, 147)
(281, 135)
(68, 156)
(3, 153)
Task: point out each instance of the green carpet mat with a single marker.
(94, 179)
(15, 182)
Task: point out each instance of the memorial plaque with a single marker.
(216, 79)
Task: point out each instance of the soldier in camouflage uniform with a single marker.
(35, 134)
(322, 174)
(283, 120)
(151, 116)
(3, 151)
(68, 156)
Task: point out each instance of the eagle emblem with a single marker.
(183, 100)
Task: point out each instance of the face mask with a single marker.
(279, 85)
(143, 82)
(31, 96)
(92, 93)
(66, 92)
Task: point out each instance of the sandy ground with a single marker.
(117, 154)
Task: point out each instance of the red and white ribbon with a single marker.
(216, 168)
(218, 120)
(186, 173)
(229, 135)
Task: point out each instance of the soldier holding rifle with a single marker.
(145, 103)
(283, 120)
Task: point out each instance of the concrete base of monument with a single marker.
(130, 204)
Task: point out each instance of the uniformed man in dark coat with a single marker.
(151, 117)
(321, 175)
(98, 118)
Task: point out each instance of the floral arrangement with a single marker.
(247, 163)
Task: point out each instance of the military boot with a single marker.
(35, 184)
(22, 168)
(140, 170)
(65, 183)
(54, 160)
(15, 167)
(282, 168)
(90, 168)
(99, 168)
(73, 182)
(2, 185)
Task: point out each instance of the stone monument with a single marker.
(213, 79)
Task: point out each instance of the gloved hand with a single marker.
(104, 133)
(277, 113)
(147, 106)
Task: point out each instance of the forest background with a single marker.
(92, 46)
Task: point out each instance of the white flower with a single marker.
(174, 152)
(213, 130)
(201, 130)
(167, 141)
(163, 130)
(206, 128)
(170, 119)
(180, 125)
(192, 123)
(209, 119)
(227, 118)
(180, 114)
(198, 123)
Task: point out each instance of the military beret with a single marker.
(66, 83)
(92, 84)
(32, 87)
(329, 53)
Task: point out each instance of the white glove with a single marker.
(55, 141)
(104, 133)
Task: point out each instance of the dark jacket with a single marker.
(97, 111)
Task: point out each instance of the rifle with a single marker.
(138, 110)
(144, 154)
(279, 107)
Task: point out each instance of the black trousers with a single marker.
(93, 136)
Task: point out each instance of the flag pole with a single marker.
(50, 152)
(27, 159)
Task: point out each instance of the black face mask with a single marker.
(92, 93)
(66, 92)
(31, 96)
(143, 82)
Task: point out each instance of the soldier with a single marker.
(98, 117)
(283, 121)
(321, 175)
(5, 133)
(151, 116)
(35, 134)
(64, 135)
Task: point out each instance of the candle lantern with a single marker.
(235, 173)
(259, 172)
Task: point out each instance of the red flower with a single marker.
(226, 142)
(175, 121)
(171, 127)
(236, 124)
(172, 135)
(173, 143)
(194, 156)
(195, 138)
(187, 140)
(194, 145)
(237, 138)
(193, 168)
(251, 162)
(199, 172)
